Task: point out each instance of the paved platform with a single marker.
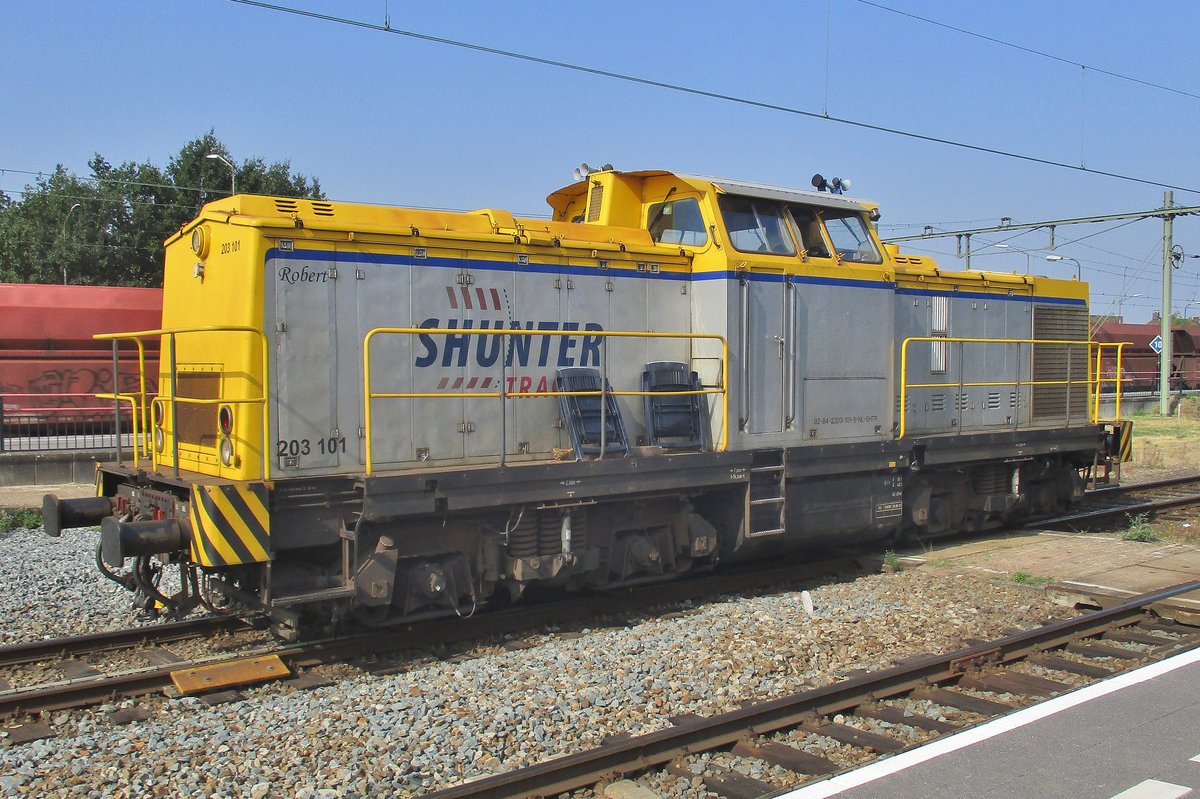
(1095, 569)
(31, 496)
(1134, 736)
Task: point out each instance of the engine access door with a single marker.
(305, 377)
(765, 332)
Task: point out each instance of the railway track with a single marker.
(1117, 504)
(84, 686)
(793, 740)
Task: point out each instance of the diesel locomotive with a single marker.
(376, 414)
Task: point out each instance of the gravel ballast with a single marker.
(440, 723)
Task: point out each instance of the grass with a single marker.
(891, 561)
(19, 518)
(1025, 578)
(1139, 529)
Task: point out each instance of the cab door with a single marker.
(766, 336)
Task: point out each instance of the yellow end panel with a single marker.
(213, 278)
(230, 524)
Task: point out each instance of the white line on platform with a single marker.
(961, 740)
(1154, 789)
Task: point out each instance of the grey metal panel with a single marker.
(305, 362)
(437, 365)
(766, 350)
(845, 366)
(385, 299)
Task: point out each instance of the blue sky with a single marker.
(385, 118)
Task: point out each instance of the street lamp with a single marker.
(62, 236)
(1017, 249)
(232, 171)
(1078, 267)
(1122, 299)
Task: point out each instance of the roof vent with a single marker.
(286, 206)
(322, 208)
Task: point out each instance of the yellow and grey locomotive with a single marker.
(386, 413)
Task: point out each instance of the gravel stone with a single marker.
(436, 723)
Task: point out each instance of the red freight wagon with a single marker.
(1140, 363)
(50, 366)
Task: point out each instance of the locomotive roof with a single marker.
(739, 187)
(769, 192)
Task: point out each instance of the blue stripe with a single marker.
(591, 271)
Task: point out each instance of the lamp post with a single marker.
(232, 171)
(1122, 299)
(1183, 316)
(1056, 258)
(1017, 249)
(62, 236)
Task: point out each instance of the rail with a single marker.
(142, 424)
(1093, 382)
(504, 396)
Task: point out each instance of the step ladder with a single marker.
(766, 496)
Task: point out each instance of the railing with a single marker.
(504, 395)
(1093, 381)
(145, 415)
(29, 425)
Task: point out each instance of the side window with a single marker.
(808, 227)
(851, 238)
(677, 222)
(756, 225)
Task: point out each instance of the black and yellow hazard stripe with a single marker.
(1124, 433)
(230, 524)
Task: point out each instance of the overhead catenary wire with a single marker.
(1030, 50)
(698, 92)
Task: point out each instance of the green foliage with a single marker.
(891, 561)
(108, 228)
(1139, 530)
(19, 518)
(1025, 578)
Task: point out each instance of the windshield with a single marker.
(808, 227)
(756, 225)
(678, 222)
(850, 237)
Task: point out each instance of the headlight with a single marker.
(225, 420)
(200, 242)
(160, 440)
(226, 452)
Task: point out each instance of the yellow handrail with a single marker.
(135, 433)
(369, 395)
(1093, 380)
(138, 335)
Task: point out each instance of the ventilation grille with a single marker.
(1056, 362)
(197, 423)
(962, 402)
(287, 206)
(595, 199)
(322, 208)
(937, 402)
(993, 401)
(907, 403)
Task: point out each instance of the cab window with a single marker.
(677, 222)
(756, 225)
(850, 237)
(808, 229)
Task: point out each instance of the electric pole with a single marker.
(1164, 362)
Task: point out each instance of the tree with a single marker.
(108, 228)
